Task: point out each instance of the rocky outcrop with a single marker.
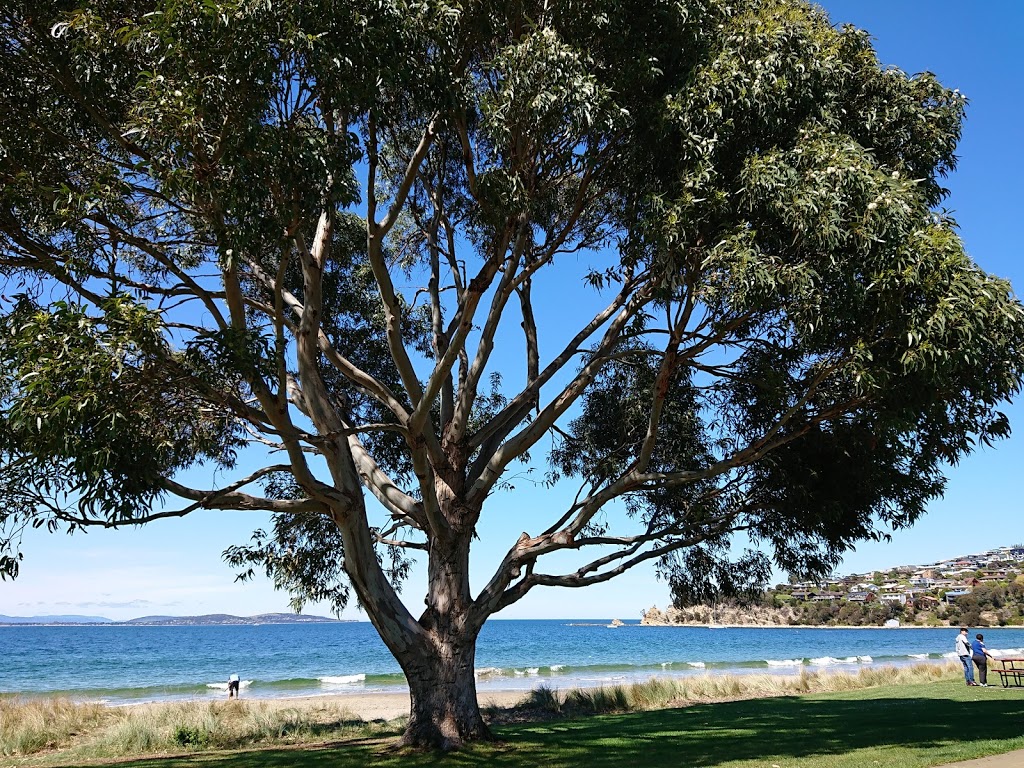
(704, 615)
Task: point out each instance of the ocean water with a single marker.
(124, 665)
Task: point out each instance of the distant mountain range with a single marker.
(173, 621)
(71, 619)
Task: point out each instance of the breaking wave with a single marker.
(342, 679)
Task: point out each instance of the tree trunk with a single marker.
(445, 713)
(437, 652)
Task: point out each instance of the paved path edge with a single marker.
(1013, 759)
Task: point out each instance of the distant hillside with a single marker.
(226, 618)
(69, 619)
(979, 590)
(174, 621)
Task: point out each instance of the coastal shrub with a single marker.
(186, 724)
(263, 724)
(186, 736)
(90, 731)
(24, 742)
(660, 693)
(803, 680)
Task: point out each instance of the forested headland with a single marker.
(980, 590)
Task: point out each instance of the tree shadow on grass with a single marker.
(702, 735)
(785, 727)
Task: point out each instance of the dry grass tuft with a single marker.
(658, 693)
(88, 731)
(35, 725)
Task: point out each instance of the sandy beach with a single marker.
(372, 706)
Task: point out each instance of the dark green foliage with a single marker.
(989, 605)
(298, 235)
(302, 554)
(873, 614)
(703, 575)
(191, 736)
(99, 411)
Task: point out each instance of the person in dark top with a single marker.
(980, 655)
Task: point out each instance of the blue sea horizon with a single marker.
(121, 664)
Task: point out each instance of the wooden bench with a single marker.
(1011, 672)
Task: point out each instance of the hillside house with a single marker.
(861, 597)
(895, 598)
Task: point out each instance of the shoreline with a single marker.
(520, 660)
(386, 706)
(695, 625)
(567, 622)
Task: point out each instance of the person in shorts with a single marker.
(233, 685)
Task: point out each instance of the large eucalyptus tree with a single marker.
(297, 234)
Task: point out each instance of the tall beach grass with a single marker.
(45, 724)
(39, 731)
(659, 693)
(88, 731)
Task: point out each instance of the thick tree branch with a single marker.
(382, 274)
(667, 371)
(462, 324)
(439, 340)
(278, 416)
(361, 380)
(499, 426)
(518, 444)
(383, 487)
(408, 178)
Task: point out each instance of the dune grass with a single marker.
(660, 693)
(897, 718)
(57, 730)
(911, 726)
(26, 728)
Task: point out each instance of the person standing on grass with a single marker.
(963, 651)
(981, 656)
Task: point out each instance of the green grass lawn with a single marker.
(888, 727)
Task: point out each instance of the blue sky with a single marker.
(175, 567)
